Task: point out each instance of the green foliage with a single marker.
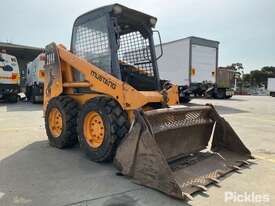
(237, 68)
(259, 77)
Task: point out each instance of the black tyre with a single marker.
(28, 93)
(60, 122)
(35, 99)
(12, 98)
(101, 126)
(185, 99)
(220, 94)
(34, 95)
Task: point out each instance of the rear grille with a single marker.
(173, 120)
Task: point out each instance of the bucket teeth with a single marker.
(251, 163)
(235, 167)
(188, 196)
(200, 187)
(214, 180)
(244, 162)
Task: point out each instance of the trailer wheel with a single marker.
(34, 99)
(220, 94)
(12, 98)
(60, 122)
(28, 92)
(102, 124)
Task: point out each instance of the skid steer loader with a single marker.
(106, 93)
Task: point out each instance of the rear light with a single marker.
(14, 76)
(42, 57)
(193, 71)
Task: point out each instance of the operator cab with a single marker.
(120, 41)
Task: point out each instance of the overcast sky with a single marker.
(244, 28)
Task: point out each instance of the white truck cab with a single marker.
(35, 79)
(9, 77)
(271, 86)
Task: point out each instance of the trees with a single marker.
(238, 73)
(256, 78)
(259, 77)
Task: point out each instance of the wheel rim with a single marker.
(93, 129)
(55, 122)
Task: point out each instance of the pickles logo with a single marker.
(101, 78)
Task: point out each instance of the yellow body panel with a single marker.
(100, 83)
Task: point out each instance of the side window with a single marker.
(91, 42)
(7, 68)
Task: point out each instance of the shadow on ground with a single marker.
(42, 175)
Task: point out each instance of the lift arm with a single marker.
(59, 65)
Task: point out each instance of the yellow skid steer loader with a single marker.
(106, 94)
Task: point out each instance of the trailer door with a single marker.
(204, 64)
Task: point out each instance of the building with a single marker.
(24, 54)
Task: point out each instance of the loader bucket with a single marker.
(180, 151)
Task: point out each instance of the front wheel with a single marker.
(101, 126)
(60, 122)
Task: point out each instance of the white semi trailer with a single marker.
(9, 78)
(192, 63)
(271, 86)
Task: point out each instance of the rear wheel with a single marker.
(60, 122)
(35, 99)
(102, 124)
(13, 98)
(35, 95)
(220, 94)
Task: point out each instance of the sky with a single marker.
(244, 28)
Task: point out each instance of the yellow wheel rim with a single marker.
(55, 122)
(93, 129)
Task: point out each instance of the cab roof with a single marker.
(124, 15)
